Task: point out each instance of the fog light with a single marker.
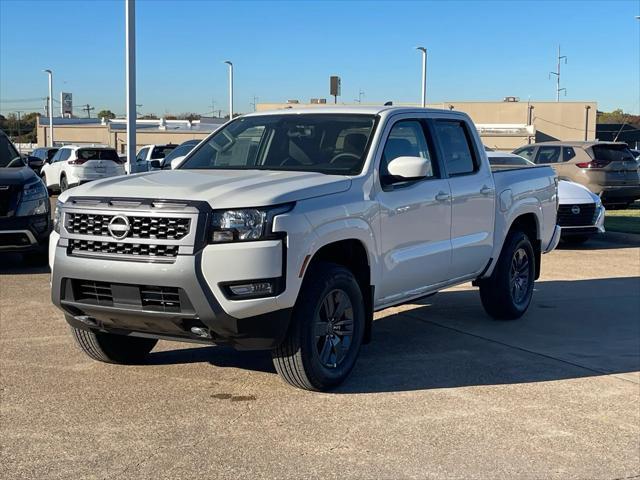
(222, 236)
(252, 289)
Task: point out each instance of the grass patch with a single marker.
(627, 221)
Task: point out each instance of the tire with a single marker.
(506, 295)
(111, 348)
(37, 257)
(576, 239)
(63, 183)
(308, 358)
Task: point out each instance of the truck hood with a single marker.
(571, 192)
(220, 188)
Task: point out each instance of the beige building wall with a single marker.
(552, 120)
(103, 135)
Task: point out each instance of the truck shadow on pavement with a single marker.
(16, 264)
(573, 329)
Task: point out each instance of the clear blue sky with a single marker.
(477, 51)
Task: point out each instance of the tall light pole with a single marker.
(50, 73)
(424, 75)
(557, 74)
(230, 89)
(130, 21)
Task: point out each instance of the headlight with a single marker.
(57, 215)
(34, 200)
(247, 224)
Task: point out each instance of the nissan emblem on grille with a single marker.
(575, 210)
(119, 227)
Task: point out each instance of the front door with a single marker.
(473, 196)
(415, 217)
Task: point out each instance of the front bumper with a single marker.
(245, 324)
(620, 194)
(24, 234)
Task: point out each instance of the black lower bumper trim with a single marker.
(262, 332)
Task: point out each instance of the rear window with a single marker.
(612, 153)
(98, 154)
(510, 161)
(161, 152)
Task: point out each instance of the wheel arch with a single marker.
(352, 254)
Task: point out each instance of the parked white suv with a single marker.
(73, 165)
(287, 230)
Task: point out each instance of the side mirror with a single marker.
(175, 163)
(154, 165)
(410, 168)
(34, 161)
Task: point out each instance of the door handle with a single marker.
(486, 190)
(442, 196)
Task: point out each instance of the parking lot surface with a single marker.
(441, 392)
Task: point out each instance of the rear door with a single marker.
(415, 216)
(57, 163)
(473, 196)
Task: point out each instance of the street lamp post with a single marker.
(424, 75)
(130, 21)
(230, 89)
(50, 73)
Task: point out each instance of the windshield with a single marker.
(324, 143)
(612, 153)
(180, 151)
(9, 157)
(161, 152)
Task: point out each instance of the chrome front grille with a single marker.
(162, 228)
(118, 248)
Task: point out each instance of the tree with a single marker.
(108, 114)
(619, 117)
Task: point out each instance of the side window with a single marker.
(56, 157)
(457, 148)
(65, 153)
(142, 154)
(567, 153)
(406, 139)
(526, 153)
(548, 155)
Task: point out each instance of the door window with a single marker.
(526, 153)
(62, 155)
(457, 148)
(406, 139)
(568, 153)
(142, 154)
(548, 155)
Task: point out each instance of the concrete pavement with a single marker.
(441, 392)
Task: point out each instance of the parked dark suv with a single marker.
(25, 219)
(608, 169)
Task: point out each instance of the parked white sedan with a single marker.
(580, 212)
(73, 165)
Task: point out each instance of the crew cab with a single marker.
(73, 165)
(286, 231)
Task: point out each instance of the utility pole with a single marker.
(213, 107)
(87, 108)
(254, 103)
(360, 95)
(19, 134)
(557, 74)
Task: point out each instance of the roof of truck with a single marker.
(363, 110)
(574, 143)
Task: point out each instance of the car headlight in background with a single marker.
(34, 199)
(57, 215)
(241, 225)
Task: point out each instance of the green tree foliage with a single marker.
(26, 127)
(618, 116)
(108, 114)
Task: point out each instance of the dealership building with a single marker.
(502, 125)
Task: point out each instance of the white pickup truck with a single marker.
(287, 230)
